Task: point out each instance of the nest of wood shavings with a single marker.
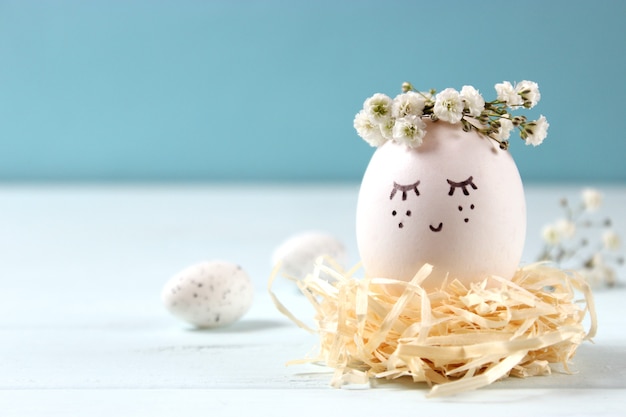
(454, 338)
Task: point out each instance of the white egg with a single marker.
(298, 253)
(456, 202)
(209, 294)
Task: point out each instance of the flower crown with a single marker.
(400, 119)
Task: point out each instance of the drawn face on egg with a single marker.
(413, 189)
(455, 203)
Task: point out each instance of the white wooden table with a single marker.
(83, 330)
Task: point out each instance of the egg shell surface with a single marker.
(209, 294)
(456, 202)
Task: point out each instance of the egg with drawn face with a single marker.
(455, 202)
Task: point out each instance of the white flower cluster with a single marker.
(400, 119)
(567, 241)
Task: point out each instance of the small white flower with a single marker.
(611, 240)
(592, 199)
(556, 232)
(529, 92)
(449, 106)
(537, 131)
(368, 130)
(506, 127)
(386, 129)
(474, 102)
(565, 228)
(597, 260)
(409, 130)
(506, 93)
(595, 271)
(599, 272)
(408, 103)
(407, 86)
(378, 108)
(550, 234)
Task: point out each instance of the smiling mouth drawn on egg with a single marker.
(436, 229)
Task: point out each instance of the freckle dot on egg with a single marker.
(460, 208)
(472, 207)
(466, 220)
(408, 212)
(393, 213)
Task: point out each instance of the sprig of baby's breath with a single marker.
(581, 241)
(400, 119)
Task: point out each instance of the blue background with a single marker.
(267, 90)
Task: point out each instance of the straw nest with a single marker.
(454, 338)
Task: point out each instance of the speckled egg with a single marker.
(298, 253)
(456, 202)
(209, 294)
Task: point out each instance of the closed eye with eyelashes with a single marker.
(462, 185)
(404, 188)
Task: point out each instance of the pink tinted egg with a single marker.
(456, 202)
